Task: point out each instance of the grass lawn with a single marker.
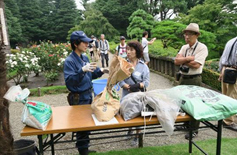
(209, 146)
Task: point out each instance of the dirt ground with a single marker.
(156, 82)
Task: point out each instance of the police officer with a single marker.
(78, 75)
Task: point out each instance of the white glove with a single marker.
(89, 67)
(105, 70)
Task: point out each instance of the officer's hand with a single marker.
(134, 87)
(105, 70)
(89, 68)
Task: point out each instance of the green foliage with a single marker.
(140, 21)
(11, 75)
(95, 24)
(157, 49)
(65, 19)
(13, 24)
(112, 46)
(170, 33)
(210, 77)
(212, 64)
(30, 19)
(49, 90)
(14, 51)
(51, 56)
(51, 75)
(118, 11)
(23, 63)
(216, 16)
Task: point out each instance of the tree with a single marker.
(216, 16)
(6, 138)
(65, 18)
(47, 22)
(171, 34)
(95, 24)
(118, 11)
(13, 26)
(140, 21)
(30, 19)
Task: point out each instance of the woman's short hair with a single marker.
(138, 48)
(144, 33)
(77, 42)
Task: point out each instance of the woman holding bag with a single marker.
(139, 79)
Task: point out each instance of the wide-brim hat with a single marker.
(122, 38)
(80, 35)
(192, 27)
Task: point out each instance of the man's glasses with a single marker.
(188, 34)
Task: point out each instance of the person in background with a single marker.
(145, 44)
(91, 48)
(121, 49)
(78, 75)
(191, 59)
(228, 61)
(104, 49)
(139, 79)
(17, 47)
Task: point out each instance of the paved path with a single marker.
(156, 82)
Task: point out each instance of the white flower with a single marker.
(65, 53)
(59, 64)
(27, 65)
(62, 60)
(23, 52)
(39, 70)
(14, 63)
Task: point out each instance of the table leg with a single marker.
(52, 144)
(219, 134)
(190, 139)
(140, 140)
(41, 149)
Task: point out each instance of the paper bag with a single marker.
(119, 70)
(106, 105)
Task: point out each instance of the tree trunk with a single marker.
(6, 139)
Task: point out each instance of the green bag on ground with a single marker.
(35, 114)
(205, 104)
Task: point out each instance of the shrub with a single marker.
(49, 90)
(210, 78)
(14, 51)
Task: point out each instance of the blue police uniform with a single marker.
(80, 82)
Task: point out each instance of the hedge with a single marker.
(49, 90)
(210, 78)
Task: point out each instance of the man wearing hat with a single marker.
(121, 49)
(191, 59)
(78, 75)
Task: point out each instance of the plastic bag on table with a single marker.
(35, 114)
(131, 105)
(166, 106)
